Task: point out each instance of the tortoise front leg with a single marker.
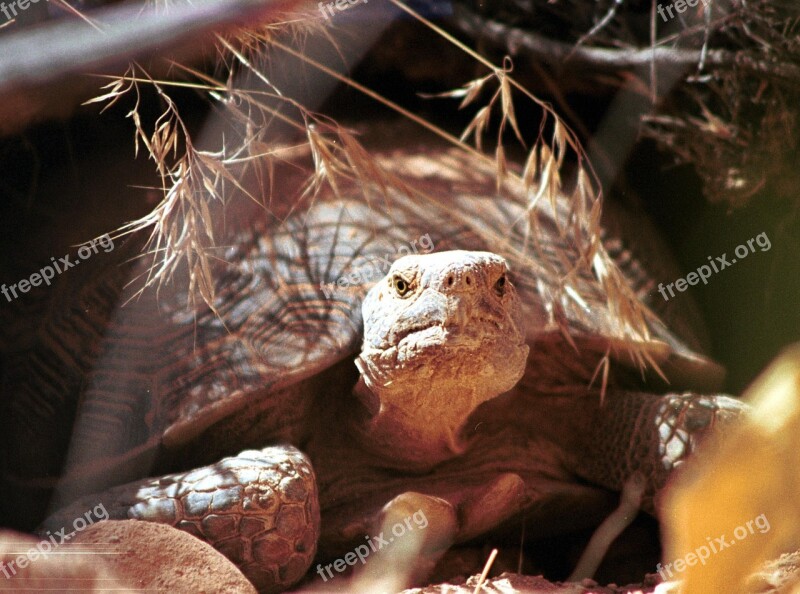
(635, 442)
(260, 509)
(650, 435)
(414, 530)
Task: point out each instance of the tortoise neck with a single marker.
(410, 437)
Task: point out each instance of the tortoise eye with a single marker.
(500, 285)
(400, 285)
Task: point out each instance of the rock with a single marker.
(34, 564)
(159, 558)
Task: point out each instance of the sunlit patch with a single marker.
(742, 490)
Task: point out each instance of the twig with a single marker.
(485, 571)
(565, 55)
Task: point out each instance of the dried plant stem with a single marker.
(485, 572)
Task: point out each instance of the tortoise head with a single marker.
(443, 333)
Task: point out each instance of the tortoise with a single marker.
(369, 365)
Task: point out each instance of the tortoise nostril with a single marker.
(468, 279)
(450, 280)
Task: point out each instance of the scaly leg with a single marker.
(260, 509)
(636, 441)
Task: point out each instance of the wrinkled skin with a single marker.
(443, 333)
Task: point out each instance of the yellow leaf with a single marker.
(742, 488)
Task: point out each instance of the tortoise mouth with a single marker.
(434, 334)
(432, 352)
(437, 348)
(446, 338)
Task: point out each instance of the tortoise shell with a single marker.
(109, 385)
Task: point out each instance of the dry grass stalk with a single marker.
(485, 572)
(181, 230)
